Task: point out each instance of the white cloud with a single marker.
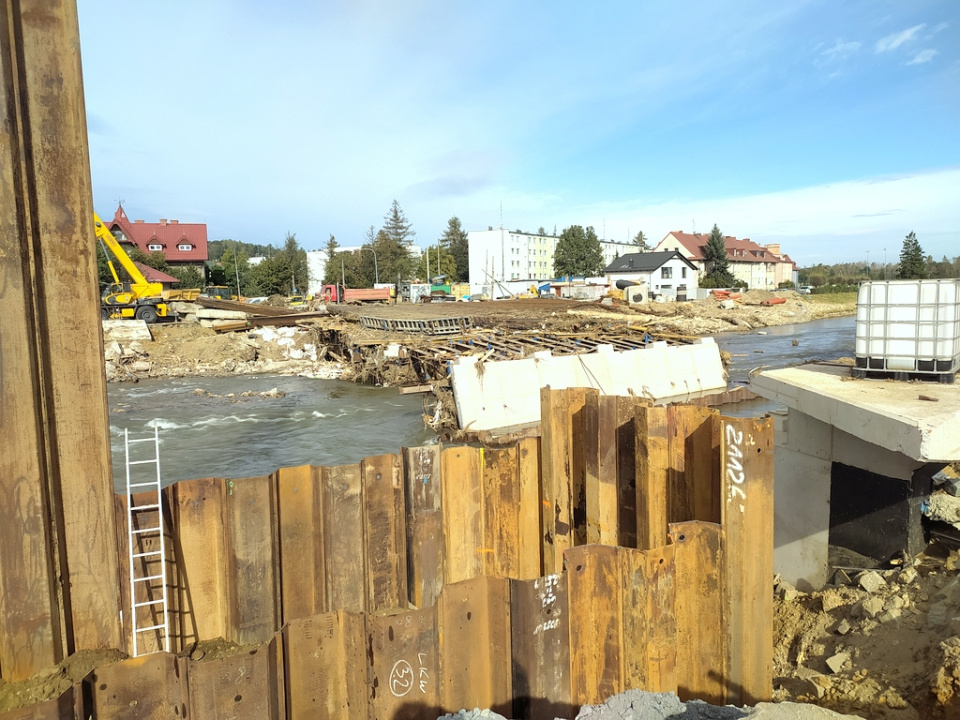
(924, 56)
(831, 222)
(892, 42)
(840, 50)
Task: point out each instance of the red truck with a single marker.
(331, 294)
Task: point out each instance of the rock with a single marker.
(871, 581)
(908, 576)
(840, 577)
(141, 366)
(831, 599)
(873, 606)
(891, 614)
(844, 627)
(837, 662)
(112, 350)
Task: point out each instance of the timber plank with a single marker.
(653, 476)
(403, 664)
(385, 533)
(237, 687)
(300, 533)
(56, 484)
(252, 560)
(501, 500)
(747, 497)
(649, 629)
(143, 688)
(200, 544)
(343, 538)
(701, 652)
(603, 487)
(425, 544)
(462, 513)
(541, 648)
(474, 621)
(529, 527)
(323, 667)
(557, 476)
(594, 597)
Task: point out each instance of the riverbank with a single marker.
(187, 349)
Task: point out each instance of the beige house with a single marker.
(761, 267)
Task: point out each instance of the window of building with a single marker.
(666, 272)
(154, 247)
(184, 247)
(683, 272)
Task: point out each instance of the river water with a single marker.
(207, 430)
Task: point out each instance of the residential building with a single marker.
(761, 267)
(502, 255)
(156, 276)
(667, 274)
(181, 243)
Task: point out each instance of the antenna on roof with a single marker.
(501, 215)
(694, 226)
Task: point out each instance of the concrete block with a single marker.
(838, 662)
(213, 314)
(871, 581)
(125, 330)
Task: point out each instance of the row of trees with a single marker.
(913, 264)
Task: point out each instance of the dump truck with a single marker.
(331, 294)
(136, 298)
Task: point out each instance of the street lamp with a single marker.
(376, 272)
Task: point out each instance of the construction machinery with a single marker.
(134, 299)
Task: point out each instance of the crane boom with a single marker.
(140, 298)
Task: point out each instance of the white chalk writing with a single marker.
(401, 678)
(734, 464)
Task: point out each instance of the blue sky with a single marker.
(830, 127)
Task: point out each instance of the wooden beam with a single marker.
(529, 516)
(300, 521)
(653, 476)
(425, 543)
(403, 666)
(343, 538)
(557, 457)
(747, 504)
(501, 501)
(701, 640)
(462, 513)
(385, 533)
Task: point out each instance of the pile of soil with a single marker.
(54, 681)
(877, 644)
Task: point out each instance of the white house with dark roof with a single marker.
(668, 273)
(761, 267)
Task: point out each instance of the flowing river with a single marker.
(207, 429)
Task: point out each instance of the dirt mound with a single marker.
(880, 644)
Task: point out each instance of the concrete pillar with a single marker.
(58, 559)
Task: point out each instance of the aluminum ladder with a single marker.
(146, 550)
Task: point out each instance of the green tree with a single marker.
(912, 264)
(393, 258)
(188, 276)
(447, 264)
(640, 240)
(234, 262)
(715, 258)
(454, 241)
(578, 253)
(397, 227)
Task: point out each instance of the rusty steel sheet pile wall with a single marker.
(418, 583)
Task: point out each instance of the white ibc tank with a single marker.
(909, 325)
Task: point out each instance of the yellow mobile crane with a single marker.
(138, 298)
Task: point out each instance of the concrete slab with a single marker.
(124, 331)
(506, 393)
(886, 413)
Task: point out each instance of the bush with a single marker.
(786, 285)
(833, 289)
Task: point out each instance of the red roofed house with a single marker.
(156, 276)
(762, 267)
(182, 244)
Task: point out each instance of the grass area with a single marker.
(846, 297)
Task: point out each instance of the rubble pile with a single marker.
(876, 643)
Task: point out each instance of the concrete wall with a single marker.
(503, 394)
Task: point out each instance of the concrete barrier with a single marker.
(494, 395)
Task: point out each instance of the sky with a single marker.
(830, 127)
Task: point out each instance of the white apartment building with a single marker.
(503, 256)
